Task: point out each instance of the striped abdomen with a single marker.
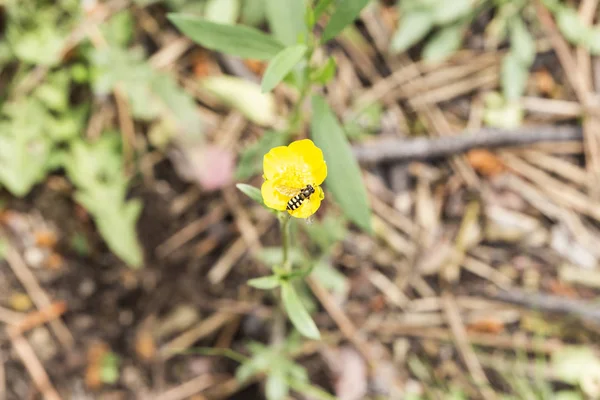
(297, 200)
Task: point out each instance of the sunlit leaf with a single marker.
(449, 11)
(286, 19)
(222, 11)
(570, 24)
(238, 40)
(252, 192)
(325, 73)
(276, 387)
(265, 282)
(413, 27)
(281, 65)
(244, 96)
(522, 44)
(344, 178)
(513, 76)
(346, 11)
(253, 12)
(443, 44)
(297, 312)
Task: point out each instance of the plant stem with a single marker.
(284, 221)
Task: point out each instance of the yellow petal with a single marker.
(274, 161)
(273, 198)
(312, 156)
(309, 206)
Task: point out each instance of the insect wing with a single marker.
(287, 191)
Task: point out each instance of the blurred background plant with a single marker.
(94, 93)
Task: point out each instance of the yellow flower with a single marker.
(288, 170)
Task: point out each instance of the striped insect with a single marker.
(298, 198)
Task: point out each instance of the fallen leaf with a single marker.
(93, 372)
(256, 66)
(377, 303)
(562, 289)
(54, 262)
(244, 96)
(544, 82)
(20, 302)
(487, 325)
(211, 166)
(485, 162)
(145, 347)
(351, 375)
(203, 65)
(46, 238)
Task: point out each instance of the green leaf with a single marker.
(251, 159)
(522, 44)
(222, 11)
(252, 192)
(344, 177)
(345, 13)
(570, 25)
(592, 40)
(286, 19)
(501, 114)
(237, 40)
(119, 30)
(274, 256)
(330, 278)
(310, 391)
(281, 65)
(443, 44)
(413, 27)
(265, 283)
(96, 171)
(253, 12)
(572, 363)
(446, 12)
(321, 7)
(513, 76)
(325, 73)
(276, 387)
(244, 96)
(109, 368)
(297, 312)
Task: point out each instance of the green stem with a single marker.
(296, 115)
(284, 220)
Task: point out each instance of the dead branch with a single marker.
(396, 149)
(547, 303)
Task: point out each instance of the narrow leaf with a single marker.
(265, 283)
(570, 25)
(513, 76)
(276, 387)
(252, 192)
(321, 7)
(345, 13)
(443, 44)
(446, 12)
(281, 65)
(522, 45)
(286, 20)
(344, 179)
(244, 96)
(413, 27)
(222, 11)
(237, 40)
(297, 313)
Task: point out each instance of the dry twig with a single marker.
(33, 365)
(394, 150)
